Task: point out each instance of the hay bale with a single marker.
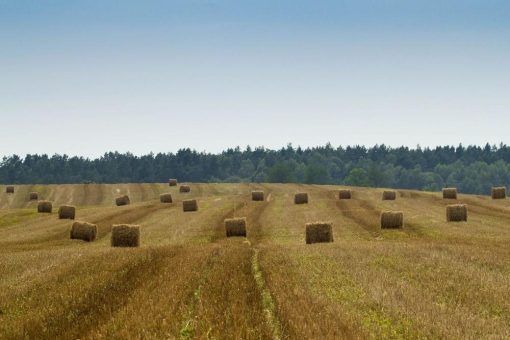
(456, 213)
(498, 193)
(189, 205)
(66, 212)
(450, 193)
(392, 219)
(184, 188)
(345, 194)
(257, 195)
(319, 232)
(9, 189)
(125, 235)
(84, 231)
(389, 195)
(34, 196)
(235, 226)
(172, 182)
(44, 207)
(122, 200)
(165, 198)
(301, 198)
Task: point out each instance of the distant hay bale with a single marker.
(44, 207)
(301, 198)
(184, 188)
(66, 212)
(34, 196)
(450, 193)
(319, 232)
(9, 189)
(172, 182)
(125, 235)
(189, 205)
(389, 195)
(235, 226)
(456, 213)
(84, 231)
(392, 219)
(345, 194)
(257, 195)
(122, 200)
(498, 193)
(165, 198)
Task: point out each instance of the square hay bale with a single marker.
(345, 194)
(392, 219)
(319, 232)
(450, 193)
(9, 189)
(125, 235)
(44, 207)
(235, 226)
(389, 195)
(184, 188)
(34, 196)
(498, 193)
(456, 213)
(122, 200)
(84, 231)
(172, 182)
(301, 198)
(189, 205)
(257, 195)
(165, 198)
(66, 212)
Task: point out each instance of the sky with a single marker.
(87, 77)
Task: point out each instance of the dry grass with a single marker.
(319, 232)
(125, 235)
(392, 219)
(498, 193)
(301, 198)
(44, 207)
(67, 212)
(184, 189)
(389, 195)
(84, 231)
(450, 193)
(431, 279)
(235, 227)
(345, 194)
(189, 205)
(456, 213)
(165, 198)
(122, 200)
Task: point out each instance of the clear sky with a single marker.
(85, 77)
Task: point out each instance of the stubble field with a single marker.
(431, 279)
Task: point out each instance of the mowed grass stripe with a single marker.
(84, 295)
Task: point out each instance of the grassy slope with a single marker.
(431, 279)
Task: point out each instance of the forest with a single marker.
(472, 169)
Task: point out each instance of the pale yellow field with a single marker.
(431, 279)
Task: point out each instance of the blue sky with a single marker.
(85, 77)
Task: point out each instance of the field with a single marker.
(431, 279)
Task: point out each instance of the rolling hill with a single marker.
(430, 279)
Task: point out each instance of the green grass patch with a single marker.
(16, 217)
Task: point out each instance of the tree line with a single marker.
(472, 169)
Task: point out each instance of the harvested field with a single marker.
(429, 279)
